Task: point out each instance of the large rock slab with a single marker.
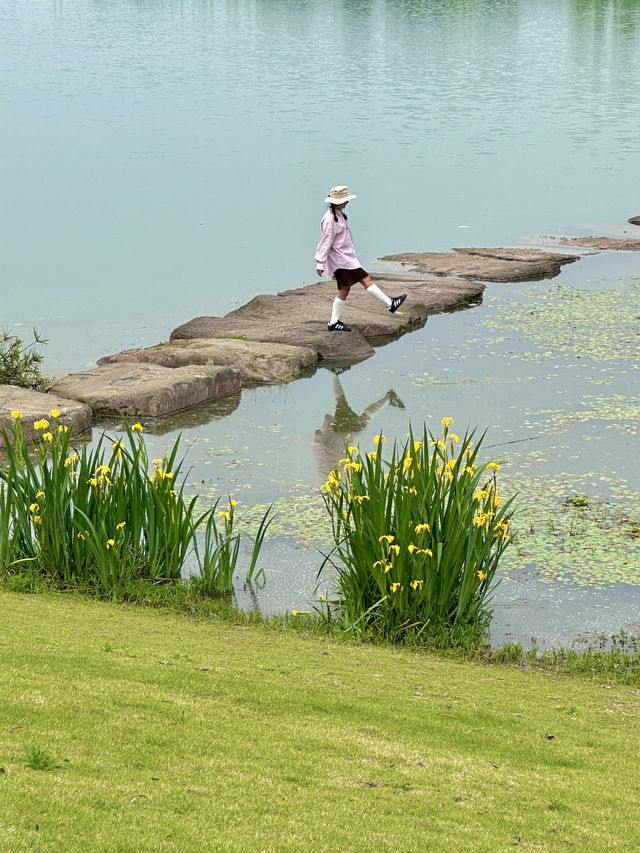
(489, 264)
(602, 243)
(255, 362)
(36, 405)
(147, 390)
(300, 316)
(635, 220)
(311, 334)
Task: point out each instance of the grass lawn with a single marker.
(174, 733)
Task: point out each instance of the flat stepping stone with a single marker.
(147, 390)
(255, 362)
(635, 220)
(36, 405)
(311, 335)
(520, 254)
(603, 243)
(489, 264)
(300, 316)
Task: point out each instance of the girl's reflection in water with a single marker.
(330, 438)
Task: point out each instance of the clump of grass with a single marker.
(105, 517)
(615, 665)
(20, 362)
(38, 759)
(418, 537)
(222, 548)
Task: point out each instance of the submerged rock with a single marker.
(36, 405)
(138, 390)
(487, 264)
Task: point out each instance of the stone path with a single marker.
(299, 317)
(274, 338)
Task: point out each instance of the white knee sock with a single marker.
(375, 291)
(338, 305)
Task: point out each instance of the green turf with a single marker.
(173, 733)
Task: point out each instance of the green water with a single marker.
(164, 160)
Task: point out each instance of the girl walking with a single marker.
(336, 256)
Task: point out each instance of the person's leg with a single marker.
(374, 290)
(335, 325)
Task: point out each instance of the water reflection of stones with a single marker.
(194, 416)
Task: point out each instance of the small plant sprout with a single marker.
(38, 759)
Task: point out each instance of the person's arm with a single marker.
(324, 245)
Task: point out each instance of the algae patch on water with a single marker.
(619, 413)
(575, 537)
(600, 324)
(301, 516)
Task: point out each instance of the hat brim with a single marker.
(329, 200)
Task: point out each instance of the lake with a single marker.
(165, 159)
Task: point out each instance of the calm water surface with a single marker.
(163, 160)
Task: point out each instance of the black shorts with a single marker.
(345, 278)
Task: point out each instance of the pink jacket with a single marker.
(335, 249)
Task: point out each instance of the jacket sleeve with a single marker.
(325, 241)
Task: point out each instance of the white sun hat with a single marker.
(338, 195)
